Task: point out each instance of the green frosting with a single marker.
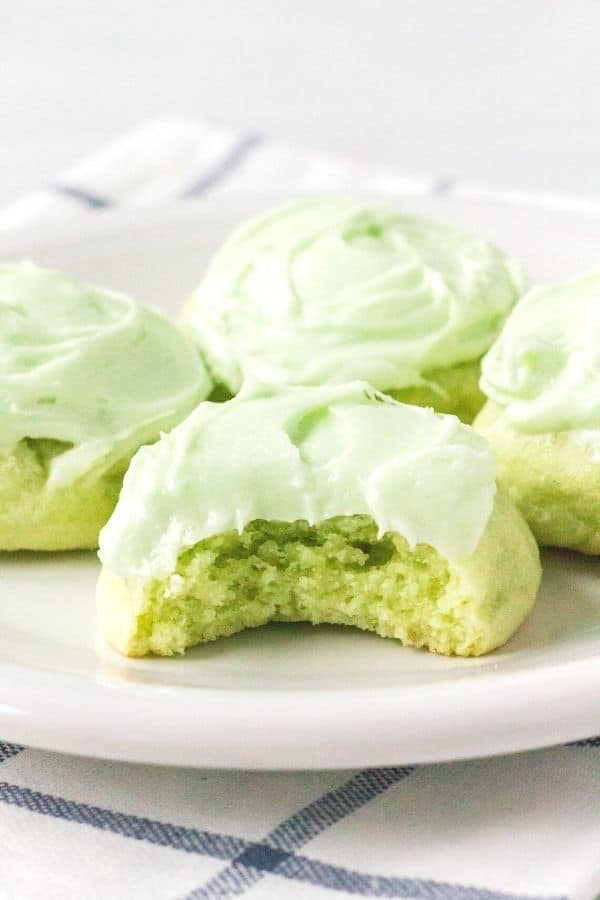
(87, 367)
(329, 290)
(303, 454)
(544, 370)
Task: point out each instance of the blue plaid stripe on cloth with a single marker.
(524, 826)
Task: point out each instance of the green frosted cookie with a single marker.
(553, 477)
(543, 417)
(329, 290)
(86, 377)
(70, 516)
(331, 504)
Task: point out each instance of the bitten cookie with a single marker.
(334, 504)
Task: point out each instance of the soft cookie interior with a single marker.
(340, 571)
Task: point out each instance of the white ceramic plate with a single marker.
(289, 696)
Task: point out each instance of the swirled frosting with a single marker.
(544, 369)
(305, 453)
(88, 367)
(329, 290)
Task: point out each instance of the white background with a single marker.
(505, 93)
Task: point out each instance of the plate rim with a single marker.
(31, 706)
(169, 738)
